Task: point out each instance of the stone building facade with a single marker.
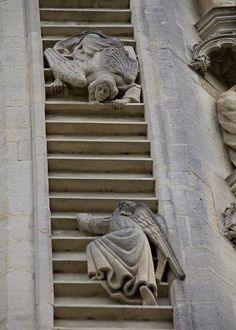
(190, 164)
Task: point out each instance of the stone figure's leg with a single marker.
(147, 296)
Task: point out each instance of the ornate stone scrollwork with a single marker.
(98, 64)
(122, 257)
(203, 50)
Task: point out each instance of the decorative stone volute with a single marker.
(203, 50)
(217, 50)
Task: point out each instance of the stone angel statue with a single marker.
(100, 64)
(122, 257)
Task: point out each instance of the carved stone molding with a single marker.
(202, 51)
(221, 20)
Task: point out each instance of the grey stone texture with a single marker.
(190, 163)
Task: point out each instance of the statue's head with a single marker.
(127, 208)
(103, 88)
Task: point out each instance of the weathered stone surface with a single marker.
(101, 64)
(122, 258)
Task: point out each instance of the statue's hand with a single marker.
(119, 104)
(58, 87)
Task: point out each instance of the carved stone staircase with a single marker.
(97, 156)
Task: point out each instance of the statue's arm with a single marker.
(133, 94)
(94, 226)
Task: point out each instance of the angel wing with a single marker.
(120, 61)
(64, 69)
(154, 228)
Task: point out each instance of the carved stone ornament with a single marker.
(230, 223)
(100, 64)
(202, 51)
(122, 257)
(226, 107)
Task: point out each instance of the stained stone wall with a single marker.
(191, 163)
(17, 295)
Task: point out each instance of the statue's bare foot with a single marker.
(119, 104)
(58, 87)
(147, 296)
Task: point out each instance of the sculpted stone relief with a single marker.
(226, 107)
(101, 65)
(122, 257)
(230, 223)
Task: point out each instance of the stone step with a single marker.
(157, 327)
(97, 128)
(70, 243)
(111, 325)
(69, 284)
(68, 29)
(95, 119)
(99, 297)
(50, 40)
(70, 262)
(100, 182)
(98, 145)
(61, 324)
(65, 221)
(95, 202)
(86, 15)
(75, 108)
(100, 164)
(113, 312)
(114, 4)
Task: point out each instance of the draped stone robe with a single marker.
(121, 258)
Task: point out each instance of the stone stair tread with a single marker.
(94, 300)
(70, 255)
(97, 138)
(88, 105)
(97, 120)
(102, 10)
(94, 119)
(85, 26)
(62, 324)
(96, 328)
(66, 29)
(89, 108)
(102, 195)
(50, 40)
(85, 3)
(100, 176)
(99, 157)
(113, 312)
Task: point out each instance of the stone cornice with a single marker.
(220, 20)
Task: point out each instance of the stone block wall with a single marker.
(17, 303)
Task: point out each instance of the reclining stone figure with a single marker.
(122, 258)
(100, 64)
